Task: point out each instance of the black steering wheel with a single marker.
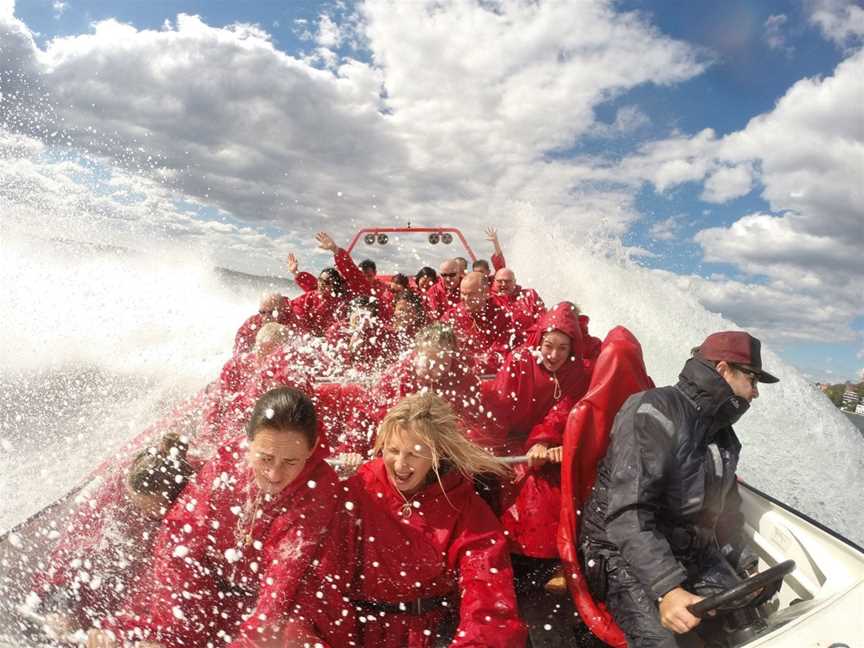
(770, 580)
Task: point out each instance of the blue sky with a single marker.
(718, 141)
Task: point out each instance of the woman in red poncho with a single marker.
(431, 547)
(255, 550)
(530, 399)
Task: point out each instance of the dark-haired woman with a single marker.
(109, 537)
(253, 551)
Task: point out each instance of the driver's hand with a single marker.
(349, 461)
(674, 614)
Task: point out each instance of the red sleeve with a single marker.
(353, 276)
(498, 261)
(306, 281)
(488, 615)
(244, 340)
(550, 431)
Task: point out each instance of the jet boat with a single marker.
(817, 575)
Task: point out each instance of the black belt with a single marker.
(417, 607)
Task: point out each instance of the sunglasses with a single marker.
(449, 274)
(752, 375)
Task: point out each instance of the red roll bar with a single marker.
(412, 230)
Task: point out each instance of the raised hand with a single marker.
(291, 262)
(325, 242)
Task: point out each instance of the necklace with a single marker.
(556, 392)
(407, 509)
(246, 523)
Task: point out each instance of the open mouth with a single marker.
(403, 479)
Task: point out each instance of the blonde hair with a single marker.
(432, 419)
(436, 335)
(271, 332)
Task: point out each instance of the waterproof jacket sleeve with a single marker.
(488, 615)
(498, 262)
(642, 447)
(550, 431)
(306, 281)
(357, 282)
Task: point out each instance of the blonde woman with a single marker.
(431, 547)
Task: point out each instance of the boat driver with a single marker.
(662, 527)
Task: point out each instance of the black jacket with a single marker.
(666, 491)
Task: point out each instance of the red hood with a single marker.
(562, 318)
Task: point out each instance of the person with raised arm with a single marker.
(498, 260)
(486, 331)
(431, 547)
(256, 551)
(360, 280)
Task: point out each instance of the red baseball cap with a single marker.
(737, 347)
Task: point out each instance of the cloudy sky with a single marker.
(722, 143)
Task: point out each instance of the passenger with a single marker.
(360, 280)
(663, 526)
(481, 265)
(425, 278)
(523, 304)
(486, 330)
(272, 308)
(362, 342)
(435, 365)
(431, 548)
(255, 551)
(317, 309)
(398, 284)
(409, 318)
(530, 399)
(444, 295)
(463, 264)
(108, 539)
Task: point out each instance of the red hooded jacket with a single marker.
(525, 307)
(487, 337)
(523, 400)
(360, 284)
(261, 568)
(451, 545)
(440, 299)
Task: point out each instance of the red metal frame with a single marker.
(412, 230)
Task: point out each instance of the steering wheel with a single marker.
(730, 599)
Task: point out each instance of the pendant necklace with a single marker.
(556, 392)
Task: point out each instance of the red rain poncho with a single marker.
(221, 573)
(524, 306)
(359, 284)
(440, 299)
(618, 374)
(486, 337)
(451, 545)
(523, 400)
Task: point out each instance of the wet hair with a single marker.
(434, 420)
(161, 471)
(461, 261)
(414, 300)
(366, 303)
(367, 264)
(284, 409)
(438, 335)
(480, 265)
(400, 280)
(426, 271)
(272, 332)
(336, 280)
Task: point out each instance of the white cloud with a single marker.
(59, 7)
(727, 183)
(775, 37)
(666, 229)
(841, 21)
(221, 117)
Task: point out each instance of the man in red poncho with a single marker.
(486, 331)
(256, 549)
(524, 304)
(444, 295)
(530, 399)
